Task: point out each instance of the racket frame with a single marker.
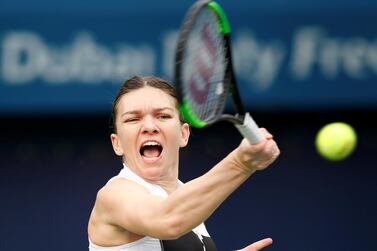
(242, 120)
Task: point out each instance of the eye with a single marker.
(164, 116)
(131, 120)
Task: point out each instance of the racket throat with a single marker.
(235, 119)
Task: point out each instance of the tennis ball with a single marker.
(336, 141)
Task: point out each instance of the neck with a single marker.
(166, 178)
(169, 187)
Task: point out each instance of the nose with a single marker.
(149, 125)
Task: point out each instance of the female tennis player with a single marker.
(146, 207)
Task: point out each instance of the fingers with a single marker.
(259, 244)
(265, 133)
(270, 145)
(254, 157)
(273, 148)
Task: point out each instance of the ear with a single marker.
(117, 146)
(185, 135)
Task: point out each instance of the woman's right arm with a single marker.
(130, 206)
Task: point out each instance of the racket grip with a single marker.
(250, 130)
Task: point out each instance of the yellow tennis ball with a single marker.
(336, 141)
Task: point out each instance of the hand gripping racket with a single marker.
(204, 73)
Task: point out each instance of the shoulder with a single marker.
(119, 188)
(113, 200)
(111, 209)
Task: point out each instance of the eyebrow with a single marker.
(132, 112)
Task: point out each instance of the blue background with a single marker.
(341, 71)
(55, 151)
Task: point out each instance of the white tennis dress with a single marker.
(149, 243)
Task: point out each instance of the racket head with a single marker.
(202, 76)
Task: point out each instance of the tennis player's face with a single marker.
(149, 132)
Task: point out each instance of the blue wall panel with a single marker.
(70, 58)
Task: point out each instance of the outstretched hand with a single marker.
(258, 245)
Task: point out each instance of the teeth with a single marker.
(151, 143)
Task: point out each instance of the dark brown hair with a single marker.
(136, 83)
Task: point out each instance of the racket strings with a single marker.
(205, 65)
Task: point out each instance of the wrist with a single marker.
(240, 162)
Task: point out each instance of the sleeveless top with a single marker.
(196, 240)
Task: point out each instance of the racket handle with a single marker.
(250, 130)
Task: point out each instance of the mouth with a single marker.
(151, 150)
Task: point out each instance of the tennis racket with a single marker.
(204, 75)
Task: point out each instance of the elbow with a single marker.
(174, 228)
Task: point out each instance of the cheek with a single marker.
(127, 136)
(177, 136)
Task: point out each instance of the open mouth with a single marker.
(151, 149)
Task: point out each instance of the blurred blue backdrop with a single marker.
(71, 57)
(300, 65)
